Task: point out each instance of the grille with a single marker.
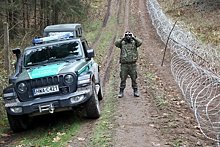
(43, 82)
(46, 81)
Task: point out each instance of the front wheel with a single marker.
(19, 123)
(92, 105)
(100, 93)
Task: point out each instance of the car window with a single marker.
(52, 53)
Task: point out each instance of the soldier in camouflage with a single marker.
(128, 57)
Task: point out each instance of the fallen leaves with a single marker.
(57, 138)
(2, 124)
(5, 135)
(81, 139)
(61, 134)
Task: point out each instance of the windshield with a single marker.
(52, 53)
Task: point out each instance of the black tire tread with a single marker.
(19, 123)
(91, 108)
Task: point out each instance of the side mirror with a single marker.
(17, 52)
(90, 53)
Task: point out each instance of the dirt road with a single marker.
(159, 117)
(133, 115)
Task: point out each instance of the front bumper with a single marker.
(49, 104)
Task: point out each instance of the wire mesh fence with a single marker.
(195, 67)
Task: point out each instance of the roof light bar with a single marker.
(53, 37)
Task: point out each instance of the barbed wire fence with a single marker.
(195, 67)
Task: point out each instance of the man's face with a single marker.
(128, 36)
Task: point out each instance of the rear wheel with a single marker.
(19, 123)
(92, 105)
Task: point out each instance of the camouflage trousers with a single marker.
(128, 69)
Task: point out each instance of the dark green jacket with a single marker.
(129, 53)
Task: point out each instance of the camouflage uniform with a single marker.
(128, 58)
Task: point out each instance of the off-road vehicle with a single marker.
(55, 74)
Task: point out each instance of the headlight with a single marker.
(16, 109)
(68, 79)
(76, 98)
(22, 88)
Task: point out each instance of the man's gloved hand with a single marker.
(132, 35)
(124, 36)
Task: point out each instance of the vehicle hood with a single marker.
(50, 70)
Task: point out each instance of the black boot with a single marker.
(120, 95)
(136, 94)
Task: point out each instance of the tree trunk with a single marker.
(55, 21)
(7, 64)
(27, 15)
(41, 14)
(35, 14)
(24, 20)
(48, 12)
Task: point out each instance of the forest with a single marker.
(29, 17)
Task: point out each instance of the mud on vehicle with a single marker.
(56, 74)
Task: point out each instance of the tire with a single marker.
(100, 94)
(19, 123)
(92, 105)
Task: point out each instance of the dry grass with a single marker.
(202, 16)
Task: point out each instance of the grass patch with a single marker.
(160, 95)
(3, 118)
(103, 46)
(151, 76)
(102, 135)
(54, 134)
(103, 132)
(3, 122)
(91, 30)
(94, 22)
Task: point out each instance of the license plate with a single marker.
(46, 90)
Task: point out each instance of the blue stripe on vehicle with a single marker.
(85, 67)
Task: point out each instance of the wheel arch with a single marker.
(95, 73)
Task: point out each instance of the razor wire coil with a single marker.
(195, 67)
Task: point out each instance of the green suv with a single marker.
(56, 74)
